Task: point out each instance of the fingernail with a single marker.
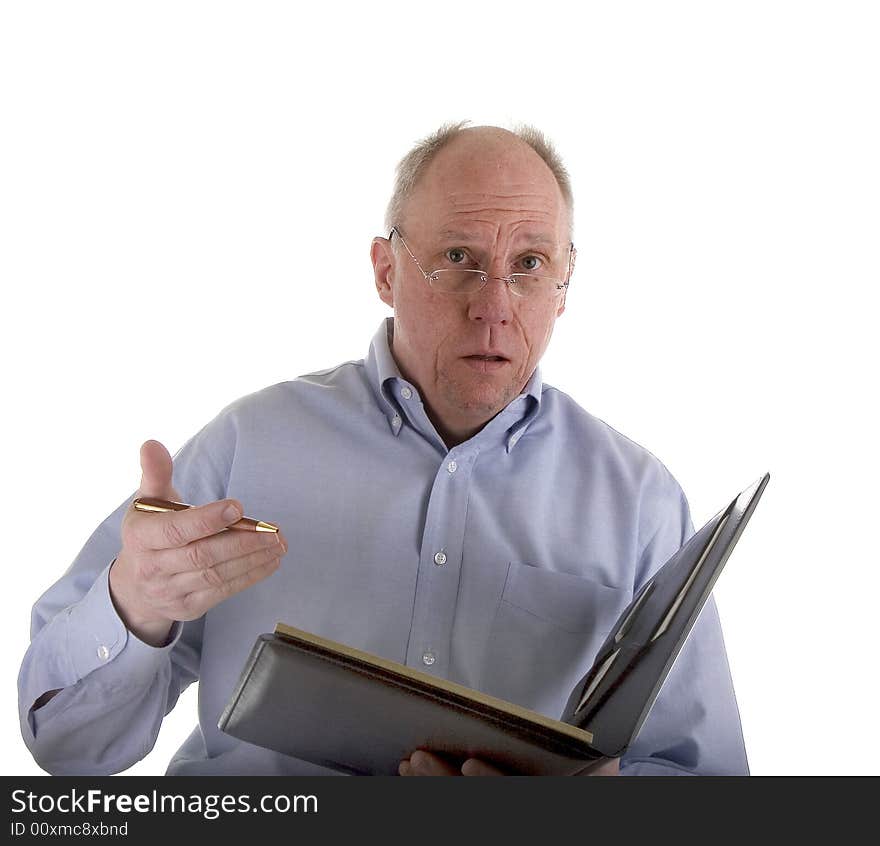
(231, 513)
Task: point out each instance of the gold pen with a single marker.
(153, 505)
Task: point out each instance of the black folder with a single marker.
(333, 705)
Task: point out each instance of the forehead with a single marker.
(483, 181)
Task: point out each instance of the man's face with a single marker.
(486, 201)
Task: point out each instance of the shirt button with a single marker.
(440, 559)
(452, 467)
(103, 653)
(428, 659)
(406, 393)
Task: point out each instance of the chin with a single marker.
(485, 401)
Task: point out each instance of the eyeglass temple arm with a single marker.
(406, 247)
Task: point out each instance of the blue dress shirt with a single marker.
(500, 564)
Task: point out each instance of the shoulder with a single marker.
(343, 384)
(628, 476)
(587, 438)
(292, 406)
(257, 428)
(615, 469)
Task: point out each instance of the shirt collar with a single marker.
(386, 380)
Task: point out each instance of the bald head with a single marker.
(495, 153)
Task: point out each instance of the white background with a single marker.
(187, 196)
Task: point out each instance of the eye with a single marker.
(531, 263)
(456, 255)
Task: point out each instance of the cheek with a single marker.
(537, 326)
(416, 304)
(426, 320)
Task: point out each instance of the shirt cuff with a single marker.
(98, 639)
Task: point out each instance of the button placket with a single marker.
(440, 564)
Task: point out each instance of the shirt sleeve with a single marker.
(694, 725)
(113, 689)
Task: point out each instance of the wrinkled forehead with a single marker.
(484, 183)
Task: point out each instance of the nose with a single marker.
(492, 303)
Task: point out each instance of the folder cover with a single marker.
(336, 706)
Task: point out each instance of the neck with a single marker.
(453, 436)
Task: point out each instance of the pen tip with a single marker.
(265, 527)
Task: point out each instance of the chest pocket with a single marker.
(546, 632)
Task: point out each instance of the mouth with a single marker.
(486, 363)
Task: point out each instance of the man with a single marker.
(440, 506)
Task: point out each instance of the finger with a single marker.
(424, 763)
(156, 472)
(203, 553)
(176, 529)
(227, 570)
(197, 603)
(609, 768)
(476, 767)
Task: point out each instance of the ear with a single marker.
(561, 304)
(382, 257)
(571, 260)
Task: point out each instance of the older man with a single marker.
(441, 506)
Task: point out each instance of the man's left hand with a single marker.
(422, 763)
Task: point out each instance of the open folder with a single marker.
(339, 707)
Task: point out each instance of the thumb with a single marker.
(156, 470)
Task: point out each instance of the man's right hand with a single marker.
(175, 566)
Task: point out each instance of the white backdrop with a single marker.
(197, 184)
